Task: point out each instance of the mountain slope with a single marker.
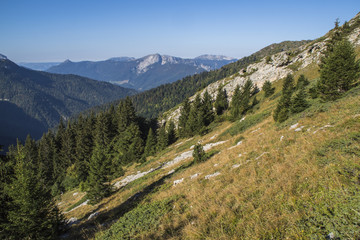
(43, 98)
(143, 73)
(261, 179)
(159, 100)
(39, 66)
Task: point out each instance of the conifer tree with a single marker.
(171, 134)
(282, 111)
(268, 89)
(150, 147)
(99, 166)
(245, 96)
(32, 212)
(338, 71)
(207, 108)
(235, 103)
(184, 116)
(162, 139)
(301, 82)
(221, 102)
(299, 102)
(47, 151)
(199, 153)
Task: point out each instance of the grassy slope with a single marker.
(305, 186)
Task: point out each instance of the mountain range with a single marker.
(33, 101)
(142, 73)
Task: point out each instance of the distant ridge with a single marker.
(142, 73)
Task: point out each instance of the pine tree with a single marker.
(282, 111)
(245, 96)
(199, 153)
(150, 147)
(338, 71)
(184, 116)
(299, 102)
(162, 139)
(221, 102)
(32, 212)
(99, 163)
(235, 103)
(171, 133)
(207, 109)
(268, 89)
(301, 82)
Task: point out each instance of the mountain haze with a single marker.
(142, 73)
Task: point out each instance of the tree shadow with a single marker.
(87, 228)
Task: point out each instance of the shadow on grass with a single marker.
(87, 229)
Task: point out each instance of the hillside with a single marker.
(155, 101)
(298, 179)
(142, 73)
(32, 101)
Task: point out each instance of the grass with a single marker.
(304, 186)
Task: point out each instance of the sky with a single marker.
(56, 30)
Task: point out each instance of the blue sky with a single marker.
(55, 30)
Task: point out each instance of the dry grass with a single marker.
(266, 197)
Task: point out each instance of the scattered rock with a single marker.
(93, 215)
(60, 203)
(239, 143)
(240, 155)
(76, 193)
(281, 138)
(236, 165)
(322, 128)
(255, 130)
(192, 146)
(178, 144)
(242, 119)
(179, 158)
(171, 172)
(212, 175)
(211, 145)
(213, 137)
(83, 204)
(299, 129)
(293, 126)
(215, 165)
(72, 221)
(176, 182)
(195, 175)
(261, 155)
(132, 178)
(330, 236)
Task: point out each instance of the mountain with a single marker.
(257, 179)
(142, 73)
(39, 66)
(33, 101)
(152, 102)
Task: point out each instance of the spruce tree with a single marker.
(221, 102)
(99, 166)
(338, 71)
(171, 134)
(150, 147)
(199, 154)
(299, 102)
(32, 212)
(207, 108)
(302, 82)
(245, 96)
(282, 111)
(268, 89)
(162, 139)
(235, 103)
(184, 116)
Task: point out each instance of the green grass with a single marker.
(82, 200)
(144, 218)
(251, 120)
